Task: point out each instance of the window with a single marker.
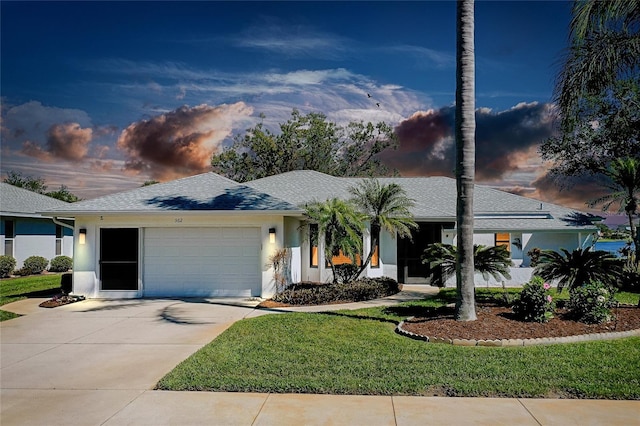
(9, 236)
(313, 245)
(375, 238)
(341, 259)
(503, 239)
(59, 236)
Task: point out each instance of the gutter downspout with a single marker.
(57, 222)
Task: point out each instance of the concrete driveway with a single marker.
(98, 355)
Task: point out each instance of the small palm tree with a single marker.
(341, 225)
(624, 189)
(574, 269)
(490, 261)
(386, 207)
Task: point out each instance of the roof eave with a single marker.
(170, 212)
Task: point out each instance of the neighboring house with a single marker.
(210, 236)
(24, 232)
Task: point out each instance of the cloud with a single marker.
(180, 142)
(30, 121)
(570, 192)
(66, 141)
(424, 57)
(69, 141)
(275, 36)
(506, 141)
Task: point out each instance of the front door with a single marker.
(411, 270)
(119, 258)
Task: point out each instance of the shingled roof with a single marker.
(287, 193)
(204, 192)
(435, 200)
(20, 202)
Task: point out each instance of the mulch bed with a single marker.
(60, 300)
(500, 323)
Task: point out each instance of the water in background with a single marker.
(610, 246)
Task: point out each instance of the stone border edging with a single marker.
(518, 342)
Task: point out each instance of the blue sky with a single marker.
(97, 96)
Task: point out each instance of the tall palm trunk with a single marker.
(465, 158)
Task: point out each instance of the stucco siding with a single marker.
(87, 256)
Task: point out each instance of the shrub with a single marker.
(23, 272)
(534, 304)
(574, 269)
(320, 294)
(534, 255)
(35, 264)
(630, 281)
(345, 272)
(7, 265)
(61, 264)
(591, 303)
(492, 261)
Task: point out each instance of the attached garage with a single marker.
(201, 262)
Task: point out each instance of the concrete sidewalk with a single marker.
(95, 363)
(136, 407)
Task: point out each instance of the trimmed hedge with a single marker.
(322, 294)
(7, 265)
(61, 264)
(35, 264)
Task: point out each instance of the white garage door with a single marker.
(202, 262)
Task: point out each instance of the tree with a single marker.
(386, 207)
(306, 142)
(37, 185)
(574, 269)
(623, 183)
(33, 184)
(63, 194)
(340, 224)
(604, 48)
(605, 126)
(491, 261)
(465, 129)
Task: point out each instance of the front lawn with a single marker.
(358, 352)
(14, 289)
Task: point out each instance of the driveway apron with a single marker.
(77, 358)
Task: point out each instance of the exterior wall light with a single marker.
(272, 235)
(82, 238)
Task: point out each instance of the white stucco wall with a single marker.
(25, 246)
(86, 280)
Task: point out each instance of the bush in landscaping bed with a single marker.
(534, 302)
(320, 294)
(7, 265)
(61, 264)
(35, 264)
(592, 303)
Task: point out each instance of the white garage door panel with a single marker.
(202, 262)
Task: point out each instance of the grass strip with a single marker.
(358, 352)
(14, 289)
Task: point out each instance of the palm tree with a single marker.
(465, 158)
(341, 225)
(604, 47)
(577, 268)
(491, 261)
(624, 185)
(386, 207)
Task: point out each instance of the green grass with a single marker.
(14, 289)
(358, 352)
